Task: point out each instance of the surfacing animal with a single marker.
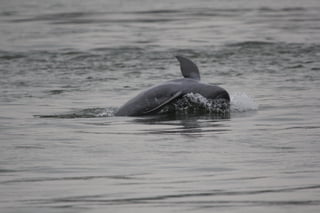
(152, 100)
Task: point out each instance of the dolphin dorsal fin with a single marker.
(188, 68)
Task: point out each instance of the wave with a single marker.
(190, 104)
(83, 113)
(194, 103)
(209, 194)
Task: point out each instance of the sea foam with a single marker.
(241, 102)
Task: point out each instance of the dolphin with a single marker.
(152, 100)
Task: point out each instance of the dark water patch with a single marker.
(136, 20)
(101, 79)
(303, 171)
(303, 127)
(70, 51)
(248, 203)
(8, 171)
(123, 50)
(54, 17)
(216, 12)
(81, 56)
(8, 13)
(251, 44)
(4, 55)
(55, 92)
(75, 178)
(247, 178)
(297, 66)
(87, 18)
(285, 9)
(294, 9)
(29, 147)
(303, 20)
(156, 12)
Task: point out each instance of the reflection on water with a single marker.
(193, 125)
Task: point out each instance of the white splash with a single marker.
(197, 98)
(106, 112)
(241, 102)
(196, 103)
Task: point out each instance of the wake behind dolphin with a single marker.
(159, 97)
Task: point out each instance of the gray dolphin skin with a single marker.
(152, 100)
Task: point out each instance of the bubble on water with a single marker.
(106, 112)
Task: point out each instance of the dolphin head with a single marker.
(222, 94)
(210, 91)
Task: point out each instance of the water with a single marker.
(66, 66)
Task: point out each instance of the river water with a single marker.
(67, 66)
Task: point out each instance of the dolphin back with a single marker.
(151, 100)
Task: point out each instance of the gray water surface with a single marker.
(67, 66)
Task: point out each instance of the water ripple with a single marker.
(99, 199)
